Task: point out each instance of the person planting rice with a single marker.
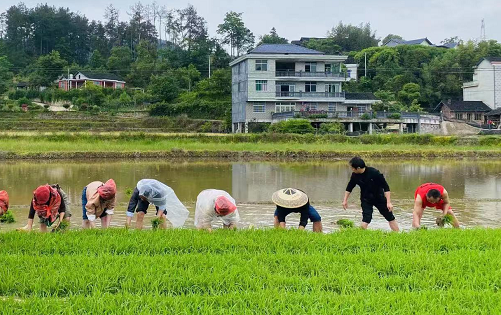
(374, 192)
(4, 202)
(292, 200)
(98, 201)
(212, 204)
(434, 196)
(49, 203)
(162, 197)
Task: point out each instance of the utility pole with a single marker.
(365, 64)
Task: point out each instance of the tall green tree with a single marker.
(354, 38)
(325, 45)
(120, 61)
(47, 69)
(5, 74)
(235, 33)
(272, 38)
(97, 61)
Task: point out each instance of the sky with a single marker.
(435, 19)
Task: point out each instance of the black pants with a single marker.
(380, 204)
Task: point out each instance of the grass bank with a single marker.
(19, 145)
(251, 272)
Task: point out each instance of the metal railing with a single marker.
(303, 74)
(310, 94)
(368, 115)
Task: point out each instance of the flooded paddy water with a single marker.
(473, 185)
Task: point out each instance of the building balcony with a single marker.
(308, 75)
(298, 95)
(368, 116)
(470, 84)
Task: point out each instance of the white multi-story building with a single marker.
(279, 78)
(486, 84)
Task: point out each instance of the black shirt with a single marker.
(303, 211)
(372, 184)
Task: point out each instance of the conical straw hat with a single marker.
(289, 198)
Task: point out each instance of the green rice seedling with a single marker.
(7, 217)
(345, 223)
(128, 192)
(155, 223)
(445, 220)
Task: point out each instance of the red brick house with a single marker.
(474, 111)
(82, 78)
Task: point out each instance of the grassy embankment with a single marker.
(126, 145)
(251, 272)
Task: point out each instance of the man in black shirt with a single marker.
(374, 192)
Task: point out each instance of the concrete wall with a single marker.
(239, 98)
(484, 75)
(497, 85)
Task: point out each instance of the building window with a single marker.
(469, 116)
(259, 108)
(311, 106)
(328, 68)
(97, 83)
(332, 88)
(459, 115)
(261, 65)
(348, 73)
(478, 116)
(261, 85)
(310, 67)
(361, 108)
(310, 87)
(285, 107)
(332, 107)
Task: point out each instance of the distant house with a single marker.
(22, 86)
(82, 78)
(396, 42)
(486, 84)
(472, 111)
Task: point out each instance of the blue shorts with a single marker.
(312, 214)
(84, 202)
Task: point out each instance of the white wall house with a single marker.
(486, 84)
(276, 78)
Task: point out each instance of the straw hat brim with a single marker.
(289, 198)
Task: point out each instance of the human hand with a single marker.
(390, 206)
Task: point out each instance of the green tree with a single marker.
(125, 100)
(97, 61)
(188, 77)
(5, 74)
(410, 93)
(325, 45)
(164, 88)
(353, 38)
(272, 38)
(235, 33)
(46, 69)
(144, 66)
(120, 61)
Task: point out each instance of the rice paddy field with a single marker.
(120, 271)
(57, 145)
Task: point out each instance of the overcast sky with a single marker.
(435, 19)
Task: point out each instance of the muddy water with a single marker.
(474, 186)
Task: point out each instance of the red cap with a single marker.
(42, 194)
(224, 206)
(108, 190)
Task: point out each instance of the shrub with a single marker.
(365, 116)
(23, 100)
(300, 126)
(316, 116)
(395, 116)
(332, 128)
